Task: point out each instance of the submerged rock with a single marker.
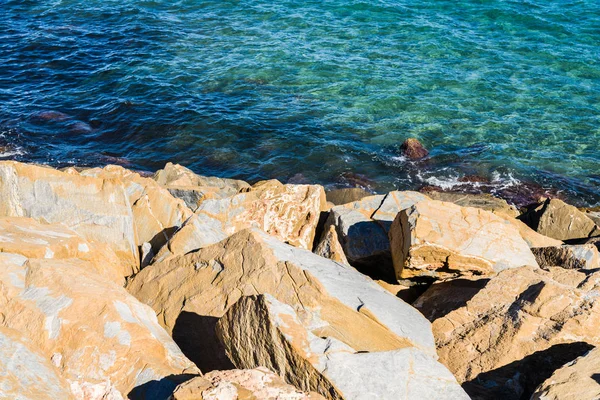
(413, 149)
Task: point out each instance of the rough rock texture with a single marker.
(505, 336)
(584, 256)
(577, 380)
(413, 149)
(594, 216)
(259, 330)
(558, 220)
(190, 292)
(434, 238)
(346, 195)
(483, 201)
(157, 214)
(362, 228)
(247, 384)
(25, 373)
(97, 209)
(533, 238)
(192, 188)
(330, 247)
(103, 341)
(32, 239)
(288, 212)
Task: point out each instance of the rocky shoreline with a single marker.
(177, 286)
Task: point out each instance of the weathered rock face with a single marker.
(483, 201)
(511, 333)
(362, 228)
(330, 247)
(259, 330)
(106, 344)
(26, 373)
(584, 256)
(191, 188)
(413, 149)
(29, 238)
(189, 292)
(577, 380)
(346, 195)
(97, 209)
(533, 238)
(288, 212)
(558, 220)
(434, 238)
(248, 384)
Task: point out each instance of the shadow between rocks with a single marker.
(158, 390)
(445, 297)
(195, 335)
(519, 379)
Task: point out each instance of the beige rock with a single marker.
(515, 329)
(189, 292)
(558, 220)
(97, 209)
(577, 380)
(248, 384)
(330, 247)
(584, 256)
(27, 237)
(532, 238)
(25, 373)
(288, 212)
(438, 239)
(259, 330)
(104, 342)
(346, 195)
(483, 201)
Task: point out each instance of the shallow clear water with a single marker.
(318, 91)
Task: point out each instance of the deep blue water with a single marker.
(318, 91)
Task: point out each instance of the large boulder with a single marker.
(441, 240)
(484, 201)
(258, 383)
(577, 380)
(105, 343)
(29, 238)
(192, 291)
(346, 195)
(288, 212)
(584, 256)
(97, 209)
(330, 247)
(261, 331)
(192, 188)
(504, 336)
(559, 220)
(26, 373)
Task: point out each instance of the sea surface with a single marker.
(505, 93)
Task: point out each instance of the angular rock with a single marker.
(330, 247)
(346, 195)
(103, 341)
(577, 380)
(261, 331)
(558, 220)
(189, 292)
(258, 383)
(532, 238)
(584, 256)
(97, 209)
(483, 201)
(511, 332)
(594, 216)
(29, 238)
(413, 149)
(443, 240)
(288, 212)
(362, 228)
(192, 188)
(25, 373)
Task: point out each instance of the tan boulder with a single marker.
(27, 237)
(190, 292)
(346, 195)
(296, 343)
(585, 256)
(504, 336)
(558, 220)
(192, 188)
(97, 209)
(247, 384)
(577, 380)
(532, 238)
(484, 201)
(104, 342)
(330, 247)
(438, 239)
(25, 373)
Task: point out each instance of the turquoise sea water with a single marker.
(317, 91)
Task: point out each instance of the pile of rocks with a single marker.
(114, 285)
